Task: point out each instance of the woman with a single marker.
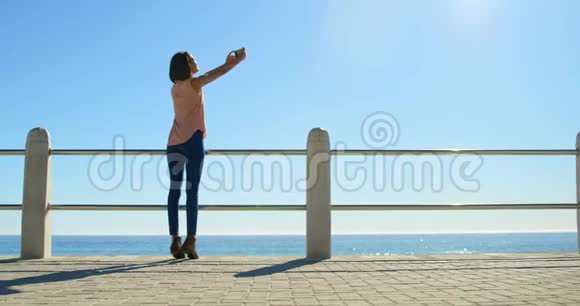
(185, 144)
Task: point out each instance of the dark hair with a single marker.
(179, 67)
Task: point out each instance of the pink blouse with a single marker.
(189, 115)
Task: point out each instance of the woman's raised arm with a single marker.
(212, 75)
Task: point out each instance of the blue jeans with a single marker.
(188, 156)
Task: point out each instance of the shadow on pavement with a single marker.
(62, 276)
(278, 268)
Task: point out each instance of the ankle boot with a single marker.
(189, 247)
(176, 248)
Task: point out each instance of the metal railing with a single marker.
(569, 152)
(302, 207)
(36, 208)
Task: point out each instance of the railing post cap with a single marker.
(578, 141)
(38, 133)
(318, 133)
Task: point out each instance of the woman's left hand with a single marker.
(241, 54)
(231, 57)
(236, 56)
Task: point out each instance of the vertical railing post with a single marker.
(36, 220)
(318, 212)
(578, 189)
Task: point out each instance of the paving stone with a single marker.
(470, 279)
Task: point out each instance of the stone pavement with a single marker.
(491, 279)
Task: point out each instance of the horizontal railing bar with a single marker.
(303, 152)
(453, 152)
(300, 207)
(256, 152)
(454, 206)
(162, 152)
(10, 206)
(156, 207)
(107, 152)
(12, 152)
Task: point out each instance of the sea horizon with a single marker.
(295, 244)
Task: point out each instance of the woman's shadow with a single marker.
(62, 276)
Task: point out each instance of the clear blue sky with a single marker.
(455, 74)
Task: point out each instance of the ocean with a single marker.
(295, 245)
